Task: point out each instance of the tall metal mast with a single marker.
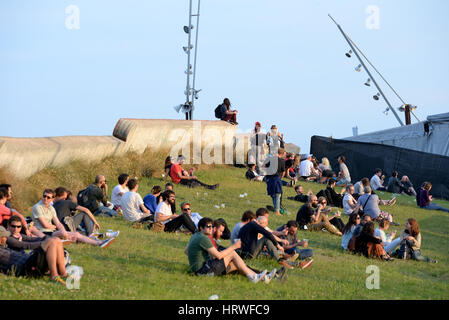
(367, 71)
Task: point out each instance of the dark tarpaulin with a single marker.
(363, 158)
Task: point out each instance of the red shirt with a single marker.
(5, 213)
(213, 241)
(175, 169)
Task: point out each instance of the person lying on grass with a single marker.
(300, 196)
(46, 220)
(204, 259)
(48, 256)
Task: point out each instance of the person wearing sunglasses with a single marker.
(195, 216)
(46, 220)
(48, 256)
(171, 221)
(205, 259)
(348, 231)
(18, 241)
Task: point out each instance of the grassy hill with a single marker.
(142, 264)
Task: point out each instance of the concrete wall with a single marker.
(25, 156)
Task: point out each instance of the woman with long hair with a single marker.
(348, 230)
(335, 219)
(369, 245)
(411, 242)
(424, 198)
(167, 166)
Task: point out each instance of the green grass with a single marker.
(142, 264)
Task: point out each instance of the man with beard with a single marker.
(307, 218)
(172, 221)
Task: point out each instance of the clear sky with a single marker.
(279, 62)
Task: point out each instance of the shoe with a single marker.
(269, 276)
(294, 257)
(257, 277)
(113, 234)
(305, 264)
(95, 237)
(215, 186)
(270, 208)
(281, 274)
(106, 243)
(58, 280)
(284, 211)
(287, 264)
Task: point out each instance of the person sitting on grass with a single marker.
(335, 219)
(132, 204)
(186, 208)
(370, 205)
(119, 190)
(293, 245)
(377, 181)
(168, 186)
(408, 186)
(46, 220)
(335, 199)
(359, 188)
(167, 166)
(49, 256)
(388, 242)
(307, 170)
(252, 174)
(394, 184)
(204, 259)
(64, 209)
(307, 218)
(350, 205)
(300, 196)
(325, 170)
(424, 198)
(217, 231)
(247, 216)
(172, 222)
(18, 241)
(179, 175)
(348, 231)
(152, 199)
(411, 241)
(97, 193)
(344, 177)
(252, 246)
(363, 220)
(6, 213)
(369, 245)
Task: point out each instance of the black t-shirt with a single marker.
(275, 166)
(64, 208)
(248, 236)
(304, 215)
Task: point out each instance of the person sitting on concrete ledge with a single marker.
(179, 175)
(226, 113)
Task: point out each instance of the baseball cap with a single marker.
(4, 232)
(309, 155)
(258, 124)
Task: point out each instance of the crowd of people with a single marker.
(34, 246)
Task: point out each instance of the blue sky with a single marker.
(279, 61)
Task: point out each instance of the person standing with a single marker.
(257, 151)
(275, 169)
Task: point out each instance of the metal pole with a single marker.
(194, 59)
(188, 60)
(367, 71)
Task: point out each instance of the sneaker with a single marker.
(270, 208)
(106, 243)
(281, 274)
(95, 237)
(305, 264)
(287, 264)
(257, 277)
(113, 234)
(215, 186)
(269, 276)
(294, 257)
(58, 280)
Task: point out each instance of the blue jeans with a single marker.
(106, 211)
(417, 256)
(303, 253)
(433, 206)
(277, 201)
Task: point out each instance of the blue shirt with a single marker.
(150, 203)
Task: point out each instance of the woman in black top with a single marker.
(369, 245)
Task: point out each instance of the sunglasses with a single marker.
(209, 226)
(18, 227)
(47, 196)
(358, 218)
(185, 209)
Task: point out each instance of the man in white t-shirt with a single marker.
(119, 190)
(132, 203)
(377, 181)
(344, 177)
(172, 221)
(306, 169)
(350, 205)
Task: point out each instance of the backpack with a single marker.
(218, 113)
(82, 197)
